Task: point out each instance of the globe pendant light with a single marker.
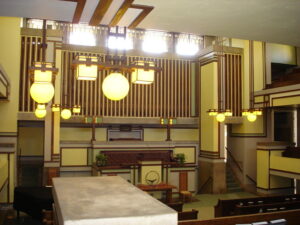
(251, 117)
(42, 92)
(115, 86)
(40, 111)
(66, 114)
(220, 117)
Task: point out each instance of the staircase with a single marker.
(231, 183)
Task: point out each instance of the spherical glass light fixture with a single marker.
(42, 92)
(40, 113)
(66, 114)
(251, 117)
(220, 117)
(115, 86)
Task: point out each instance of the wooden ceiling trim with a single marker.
(120, 13)
(99, 12)
(78, 11)
(141, 16)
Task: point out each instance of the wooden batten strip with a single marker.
(99, 12)
(78, 11)
(120, 13)
(24, 76)
(21, 87)
(141, 16)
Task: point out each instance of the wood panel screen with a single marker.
(168, 96)
(233, 83)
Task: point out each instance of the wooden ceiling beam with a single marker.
(99, 12)
(78, 11)
(120, 13)
(141, 16)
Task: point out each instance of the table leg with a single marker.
(169, 196)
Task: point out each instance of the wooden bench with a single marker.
(292, 217)
(188, 215)
(227, 207)
(262, 208)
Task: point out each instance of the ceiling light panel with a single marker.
(111, 12)
(88, 10)
(129, 17)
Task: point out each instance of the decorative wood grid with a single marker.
(169, 95)
(233, 83)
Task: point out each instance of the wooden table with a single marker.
(159, 187)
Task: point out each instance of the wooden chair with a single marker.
(184, 194)
(176, 206)
(188, 215)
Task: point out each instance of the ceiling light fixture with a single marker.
(42, 89)
(115, 86)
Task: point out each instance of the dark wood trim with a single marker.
(209, 179)
(251, 179)
(280, 97)
(146, 10)
(120, 13)
(178, 171)
(283, 171)
(99, 12)
(234, 160)
(78, 11)
(5, 182)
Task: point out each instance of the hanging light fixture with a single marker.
(76, 109)
(66, 114)
(55, 107)
(40, 111)
(252, 114)
(115, 86)
(86, 67)
(143, 72)
(42, 90)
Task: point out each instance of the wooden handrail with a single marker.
(250, 178)
(234, 160)
(205, 183)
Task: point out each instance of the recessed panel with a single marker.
(129, 17)
(111, 12)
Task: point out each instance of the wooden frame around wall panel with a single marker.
(195, 153)
(87, 162)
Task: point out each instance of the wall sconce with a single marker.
(168, 122)
(66, 114)
(76, 109)
(252, 114)
(220, 114)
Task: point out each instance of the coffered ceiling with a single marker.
(266, 20)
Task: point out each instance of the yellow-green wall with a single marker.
(282, 53)
(209, 95)
(10, 48)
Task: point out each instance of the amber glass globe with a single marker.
(115, 86)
